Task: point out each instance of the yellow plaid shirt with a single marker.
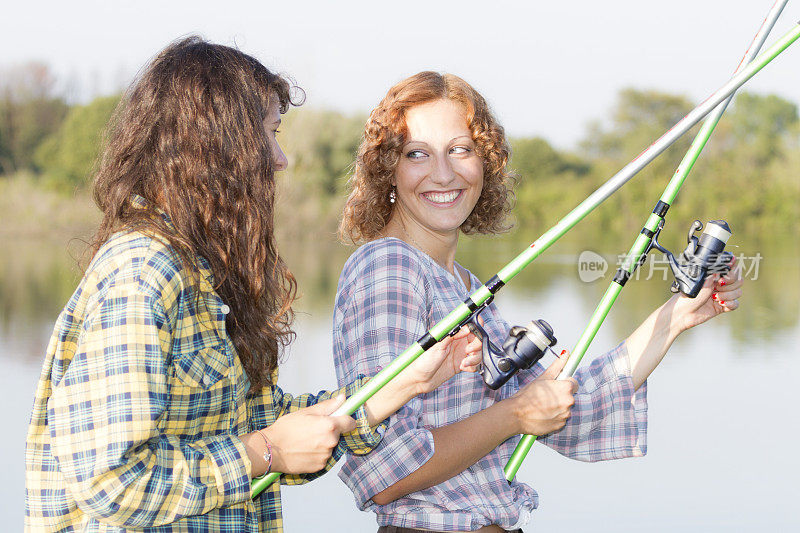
(141, 402)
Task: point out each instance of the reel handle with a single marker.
(701, 256)
(523, 347)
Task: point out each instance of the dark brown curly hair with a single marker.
(368, 209)
(189, 137)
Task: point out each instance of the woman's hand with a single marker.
(718, 295)
(302, 441)
(448, 357)
(544, 405)
(648, 344)
(462, 352)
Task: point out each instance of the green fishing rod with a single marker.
(483, 295)
(689, 281)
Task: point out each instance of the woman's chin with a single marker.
(442, 228)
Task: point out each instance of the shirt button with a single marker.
(206, 379)
(225, 309)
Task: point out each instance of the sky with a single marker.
(546, 68)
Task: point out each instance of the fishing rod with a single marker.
(479, 299)
(700, 257)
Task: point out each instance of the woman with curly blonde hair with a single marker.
(433, 164)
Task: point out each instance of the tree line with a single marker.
(748, 171)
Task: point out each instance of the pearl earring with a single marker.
(392, 196)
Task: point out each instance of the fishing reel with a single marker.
(523, 347)
(701, 257)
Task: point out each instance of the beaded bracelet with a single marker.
(267, 454)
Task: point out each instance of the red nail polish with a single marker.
(722, 282)
(722, 302)
(562, 353)
(714, 296)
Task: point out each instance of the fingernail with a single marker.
(714, 296)
(562, 353)
(722, 302)
(722, 282)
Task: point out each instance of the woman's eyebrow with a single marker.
(414, 141)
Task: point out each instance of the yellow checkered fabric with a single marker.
(141, 402)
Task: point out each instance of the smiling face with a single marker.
(439, 176)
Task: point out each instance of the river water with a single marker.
(721, 429)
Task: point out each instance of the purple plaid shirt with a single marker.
(389, 295)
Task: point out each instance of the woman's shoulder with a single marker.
(386, 263)
(137, 258)
(387, 253)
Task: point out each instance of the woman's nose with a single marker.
(443, 172)
(279, 159)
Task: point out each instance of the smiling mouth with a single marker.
(442, 199)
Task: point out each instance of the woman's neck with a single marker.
(440, 246)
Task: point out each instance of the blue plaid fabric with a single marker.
(141, 402)
(389, 295)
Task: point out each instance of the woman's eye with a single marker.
(458, 150)
(416, 154)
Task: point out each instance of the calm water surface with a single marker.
(723, 419)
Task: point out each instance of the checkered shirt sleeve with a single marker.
(609, 418)
(380, 314)
(272, 404)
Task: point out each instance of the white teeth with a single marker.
(441, 197)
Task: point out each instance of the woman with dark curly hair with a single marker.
(433, 164)
(158, 400)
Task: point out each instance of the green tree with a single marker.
(638, 118)
(750, 168)
(534, 159)
(30, 110)
(760, 123)
(68, 156)
(547, 181)
(322, 146)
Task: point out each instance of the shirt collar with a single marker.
(139, 202)
(206, 275)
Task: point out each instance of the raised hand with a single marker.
(718, 295)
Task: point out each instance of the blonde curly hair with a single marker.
(368, 209)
